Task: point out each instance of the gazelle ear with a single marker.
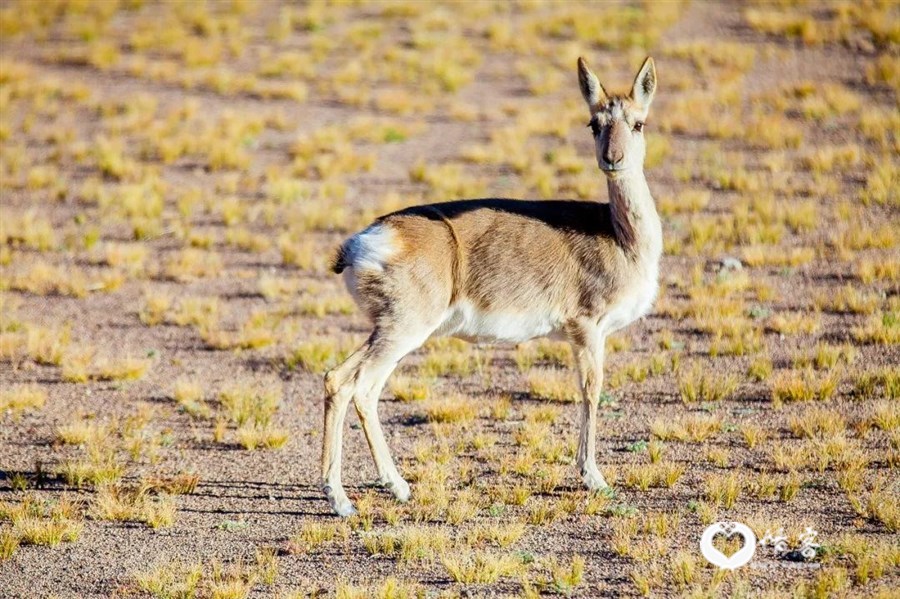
(591, 90)
(645, 84)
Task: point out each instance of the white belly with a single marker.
(465, 321)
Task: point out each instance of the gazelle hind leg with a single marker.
(338, 393)
(361, 378)
(588, 347)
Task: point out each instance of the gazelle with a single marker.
(504, 270)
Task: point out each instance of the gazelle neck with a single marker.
(634, 217)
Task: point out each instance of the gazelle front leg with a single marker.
(588, 347)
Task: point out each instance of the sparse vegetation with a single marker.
(22, 398)
(34, 522)
(695, 385)
(174, 178)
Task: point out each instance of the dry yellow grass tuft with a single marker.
(553, 385)
(250, 402)
(213, 579)
(697, 385)
(36, 522)
(22, 398)
(481, 567)
(132, 504)
(319, 355)
(695, 428)
(408, 388)
(803, 385)
(189, 396)
(455, 409)
(879, 329)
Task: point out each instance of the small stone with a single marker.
(731, 263)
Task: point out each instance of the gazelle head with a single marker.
(617, 122)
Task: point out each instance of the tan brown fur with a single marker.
(507, 244)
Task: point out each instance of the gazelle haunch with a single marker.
(504, 270)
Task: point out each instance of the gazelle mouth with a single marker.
(606, 167)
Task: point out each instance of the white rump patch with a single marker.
(371, 248)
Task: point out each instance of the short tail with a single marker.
(340, 260)
(369, 249)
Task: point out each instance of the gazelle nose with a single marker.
(613, 156)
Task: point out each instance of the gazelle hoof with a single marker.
(344, 509)
(339, 503)
(399, 487)
(593, 480)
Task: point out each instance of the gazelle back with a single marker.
(503, 270)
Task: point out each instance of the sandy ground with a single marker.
(270, 494)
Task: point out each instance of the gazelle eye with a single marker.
(639, 126)
(595, 127)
